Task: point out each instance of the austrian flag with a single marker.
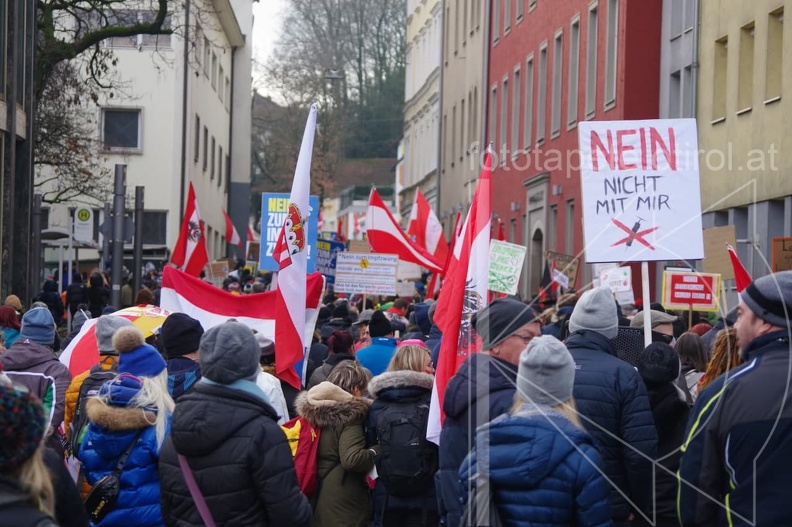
(190, 254)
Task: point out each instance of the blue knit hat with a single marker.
(121, 390)
(38, 326)
(134, 355)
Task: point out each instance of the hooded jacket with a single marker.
(110, 432)
(463, 396)
(49, 295)
(240, 460)
(611, 398)
(377, 355)
(543, 470)
(342, 459)
(16, 508)
(421, 312)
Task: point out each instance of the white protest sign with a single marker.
(641, 192)
(405, 289)
(505, 266)
(617, 280)
(363, 273)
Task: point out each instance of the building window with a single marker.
(155, 227)
(574, 69)
(541, 102)
(197, 145)
(212, 166)
(513, 231)
(475, 114)
(719, 79)
(504, 118)
(453, 135)
(552, 230)
(688, 92)
(207, 63)
(220, 160)
(515, 127)
(199, 40)
(228, 94)
(493, 116)
(611, 57)
(221, 84)
(555, 104)
(121, 129)
(569, 223)
(456, 27)
(462, 130)
(21, 43)
(675, 95)
(528, 119)
(775, 55)
(591, 63)
(464, 21)
(496, 19)
(471, 126)
(214, 70)
(155, 41)
(531, 4)
(520, 9)
(447, 33)
(3, 46)
(227, 172)
(677, 17)
(506, 16)
(205, 149)
(745, 85)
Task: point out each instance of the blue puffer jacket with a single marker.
(543, 470)
(481, 380)
(611, 398)
(110, 431)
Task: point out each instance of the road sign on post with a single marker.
(83, 224)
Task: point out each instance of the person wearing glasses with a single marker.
(662, 326)
(613, 405)
(482, 389)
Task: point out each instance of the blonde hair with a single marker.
(568, 409)
(349, 375)
(36, 480)
(154, 394)
(410, 358)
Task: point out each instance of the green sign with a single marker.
(506, 262)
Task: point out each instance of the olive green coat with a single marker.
(342, 459)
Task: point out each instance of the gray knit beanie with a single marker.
(228, 353)
(106, 327)
(546, 373)
(596, 311)
(770, 298)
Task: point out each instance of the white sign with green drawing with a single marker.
(506, 262)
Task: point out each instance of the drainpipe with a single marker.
(440, 111)
(185, 78)
(485, 78)
(694, 64)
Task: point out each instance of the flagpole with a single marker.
(646, 303)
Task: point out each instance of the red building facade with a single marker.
(552, 64)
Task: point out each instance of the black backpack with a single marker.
(408, 461)
(89, 388)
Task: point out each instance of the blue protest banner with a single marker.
(274, 208)
(326, 252)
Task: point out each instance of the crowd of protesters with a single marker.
(547, 425)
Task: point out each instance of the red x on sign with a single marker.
(633, 235)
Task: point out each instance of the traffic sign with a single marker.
(83, 224)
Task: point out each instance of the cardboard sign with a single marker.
(408, 271)
(716, 257)
(566, 263)
(405, 289)
(362, 273)
(274, 210)
(641, 192)
(782, 254)
(326, 252)
(696, 291)
(617, 280)
(218, 271)
(505, 266)
(359, 246)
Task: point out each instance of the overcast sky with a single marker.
(266, 27)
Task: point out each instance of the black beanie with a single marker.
(379, 325)
(341, 310)
(500, 320)
(181, 334)
(659, 364)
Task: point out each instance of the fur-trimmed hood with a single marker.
(399, 379)
(328, 406)
(118, 418)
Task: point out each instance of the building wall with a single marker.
(744, 124)
(536, 179)
(463, 110)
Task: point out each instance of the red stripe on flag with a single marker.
(741, 276)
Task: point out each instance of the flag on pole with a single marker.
(501, 233)
(436, 282)
(340, 234)
(741, 276)
(357, 226)
(190, 254)
(386, 236)
(232, 236)
(292, 257)
(320, 221)
(464, 293)
(425, 228)
(251, 237)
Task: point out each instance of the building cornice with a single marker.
(423, 90)
(229, 23)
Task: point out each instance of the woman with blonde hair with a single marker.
(725, 356)
(337, 408)
(540, 464)
(128, 423)
(405, 491)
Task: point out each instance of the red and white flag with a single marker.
(190, 254)
(357, 226)
(426, 229)
(291, 332)
(464, 293)
(387, 237)
(436, 282)
(212, 306)
(232, 236)
(251, 237)
(320, 222)
(741, 276)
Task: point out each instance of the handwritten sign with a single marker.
(716, 257)
(326, 252)
(782, 254)
(696, 291)
(274, 209)
(566, 263)
(363, 273)
(640, 188)
(617, 280)
(405, 289)
(506, 262)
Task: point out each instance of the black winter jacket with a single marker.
(240, 460)
(611, 398)
(16, 510)
(738, 443)
(463, 415)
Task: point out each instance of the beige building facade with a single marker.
(744, 112)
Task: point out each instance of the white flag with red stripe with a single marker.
(426, 229)
(464, 293)
(251, 237)
(232, 236)
(190, 254)
(386, 236)
(291, 333)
